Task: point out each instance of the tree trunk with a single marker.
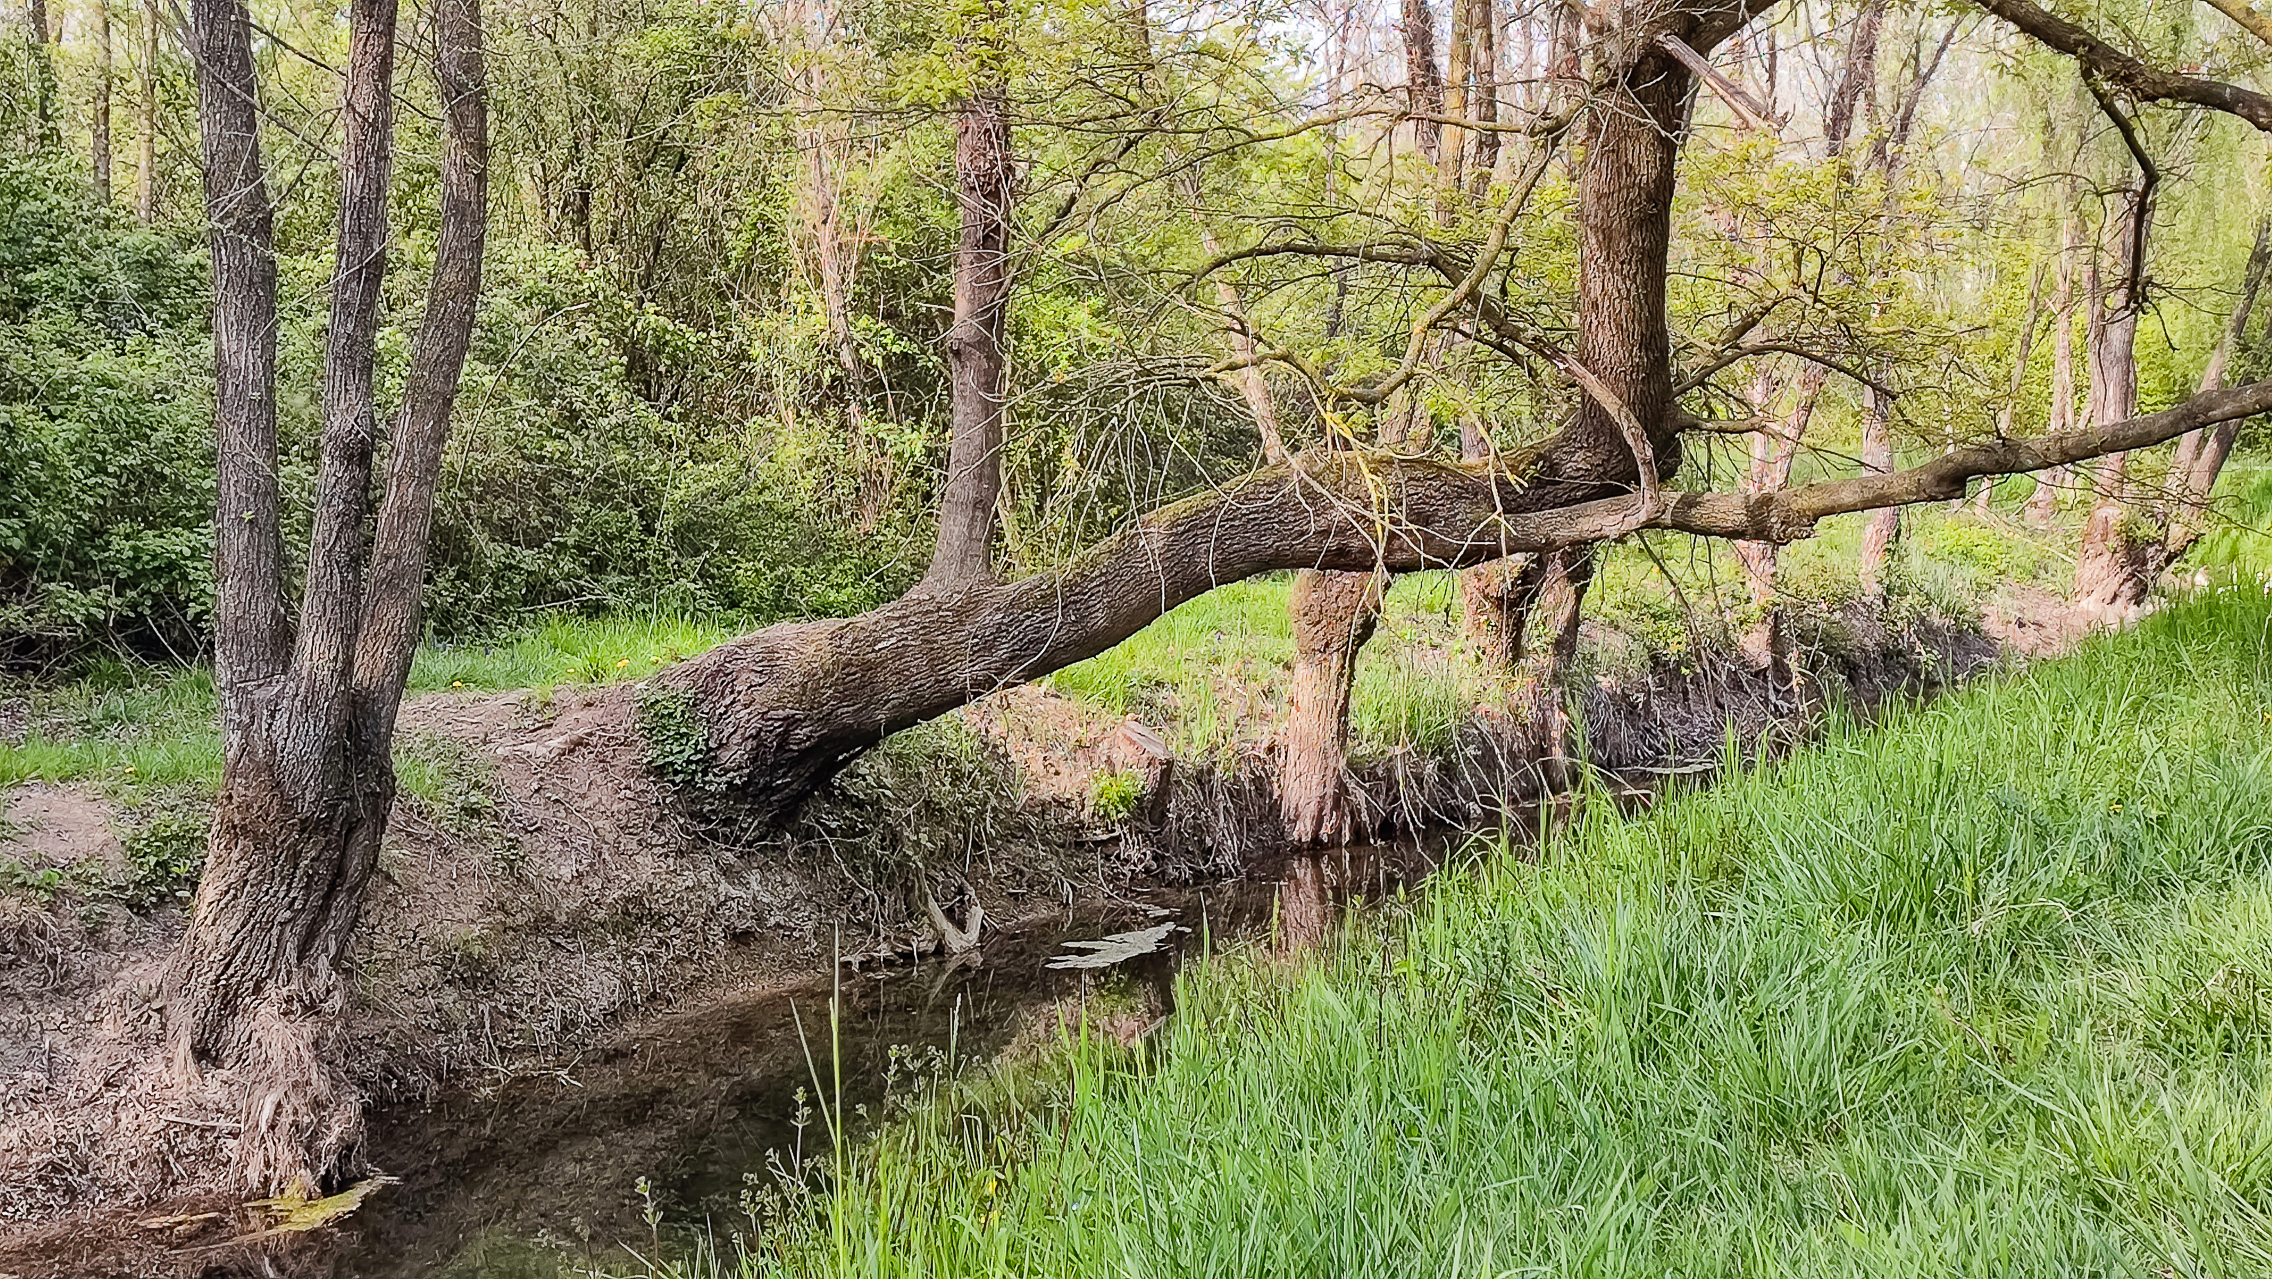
(1773, 452)
(47, 131)
(2043, 503)
(1624, 234)
(2119, 558)
(977, 367)
(835, 263)
(1883, 528)
(1561, 577)
(1334, 614)
(2201, 454)
(2008, 416)
(1494, 606)
(259, 979)
(1423, 83)
(1857, 76)
(146, 120)
(100, 125)
(1254, 389)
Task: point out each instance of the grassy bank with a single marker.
(1987, 990)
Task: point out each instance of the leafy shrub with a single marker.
(106, 457)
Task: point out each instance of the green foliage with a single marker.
(106, 471)
(675, 742)
(1974, 992)
(1114, 795)
(166, 846)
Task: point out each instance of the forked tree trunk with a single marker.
(1334, 614)
(977, 366)
(259, 979)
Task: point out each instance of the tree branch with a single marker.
(2139, 79)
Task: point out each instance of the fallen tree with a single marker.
(783, 709)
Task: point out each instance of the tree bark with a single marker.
(1563, 576)
(1883, 528)
(146, 120)
(1624, 236)
(259, 979)
(1856, 77)
(1773, 452)
(1423, 83)
(1334, 614)
(99, 126)
(977, 366)
(2119, 560)
(331, 603)
(2043, 503)
(47, 132)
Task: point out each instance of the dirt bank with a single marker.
(541, 903)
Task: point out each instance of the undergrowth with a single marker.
(1979, 991)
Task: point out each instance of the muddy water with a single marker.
(502, 1177)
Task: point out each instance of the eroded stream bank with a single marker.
(567, 986)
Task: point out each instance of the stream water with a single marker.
(501, 1178)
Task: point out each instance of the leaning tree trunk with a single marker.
(259, 979)
(1334, 614)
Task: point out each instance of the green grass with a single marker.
(566, 650)
(150, 726)
(1215, 671)
(1984, 991)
